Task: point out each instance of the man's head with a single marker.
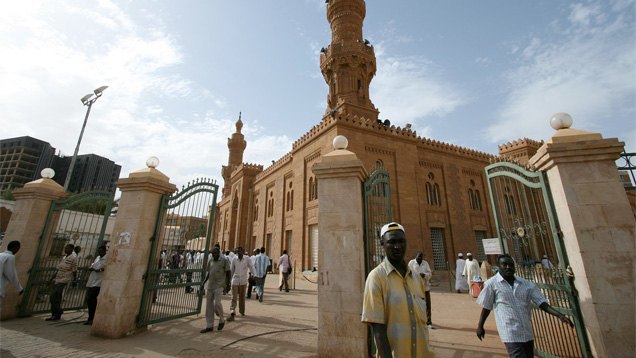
(14, 246)
(239, 252)
(68, 249)
(506, 266)
(460, 255)
(101, 251)
(393, 241)
(216, 253)
(77, 249)
(545, 257)
(284, 252)
(469, 256)
(256, 252)
(418, 257)
(263, 250)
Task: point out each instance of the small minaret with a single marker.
(348, 64)
(236, 146)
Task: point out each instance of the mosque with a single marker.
(439, 191)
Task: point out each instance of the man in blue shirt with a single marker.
(260, 264)
(510, 297)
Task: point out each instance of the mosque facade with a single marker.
(439, 191)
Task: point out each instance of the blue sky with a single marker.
(471, 73)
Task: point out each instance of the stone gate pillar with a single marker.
(32, 205)
(127, 260)
(341, 275)
(598, 232)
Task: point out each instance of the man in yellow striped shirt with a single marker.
(394, 302)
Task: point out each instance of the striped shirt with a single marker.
(512, 306)
(397, 302)
(66, 268)
(260, 265)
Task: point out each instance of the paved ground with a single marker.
(284, 325)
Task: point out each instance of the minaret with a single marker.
(236, 146)
(348, 64)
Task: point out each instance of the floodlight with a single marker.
(99, 90)
(86, 98)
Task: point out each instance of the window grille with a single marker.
(439, 255)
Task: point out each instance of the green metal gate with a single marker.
(377, 213)
(528, 230)
(176, 266)
(81, 220)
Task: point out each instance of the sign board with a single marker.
(492, 246)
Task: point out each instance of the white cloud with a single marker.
(587, 70)
(410, 89)
(49, 52)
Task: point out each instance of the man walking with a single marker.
(251, 281)
(393, 301)
(260, 272)
(420, 267)
(284, 265)
(7, 270)
(471, 271)
(460, 279)
(510, 296)
(218, 277)
(66, 272)
(547, 263)
(94, 283)
(240, 266)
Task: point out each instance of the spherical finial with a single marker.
(47, 173)
(561, 121)
(152, 162)
(340, 142)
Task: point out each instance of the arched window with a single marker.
(428, 193)
(470, 199)
(477, 200)
(291, 202)
(436, 196)
(311, 189)
(315, 188)
(288, 201)
(256, 210)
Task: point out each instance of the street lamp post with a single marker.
(88, 101)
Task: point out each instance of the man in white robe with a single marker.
(460, 279)
(471, 271)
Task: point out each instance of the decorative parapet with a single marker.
(519, 144)
(454, 149)
(277, 164)
(332, 51)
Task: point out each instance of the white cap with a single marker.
(469, 254)
(545, 256)
(460, 254)
(390, 227)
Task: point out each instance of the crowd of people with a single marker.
(397, 300)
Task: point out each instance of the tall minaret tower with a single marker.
(236, 146)
(348, 64)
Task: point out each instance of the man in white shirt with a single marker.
(94, 282)
(7, 270)
(420, 267)
(284, 264)
(251, 280)
(460, 279)
(240, 267)
(471, 271)
(510, 296)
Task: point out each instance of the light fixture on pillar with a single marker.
(152, 162)
(340, 142)
(47, 173)
(561, 121)
(88, 101)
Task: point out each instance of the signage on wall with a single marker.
(492, 246)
